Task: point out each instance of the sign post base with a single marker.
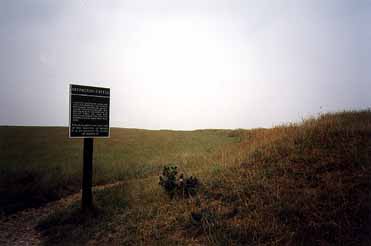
(87, 195)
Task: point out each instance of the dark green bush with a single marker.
(184, 187)
(168, 180)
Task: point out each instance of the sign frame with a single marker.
(70, 112)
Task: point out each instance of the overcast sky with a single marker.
(185, 64)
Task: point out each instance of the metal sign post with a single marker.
(89, 119)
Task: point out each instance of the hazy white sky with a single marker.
(185, 64)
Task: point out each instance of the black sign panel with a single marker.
(89, 111)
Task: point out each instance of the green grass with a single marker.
(39, 164)
(298, 184)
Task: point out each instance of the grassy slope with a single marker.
(305, 184)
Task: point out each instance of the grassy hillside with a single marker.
(298, 184)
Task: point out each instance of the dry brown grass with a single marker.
(298, 184)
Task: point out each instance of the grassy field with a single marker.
(297, 184)
(39, 164)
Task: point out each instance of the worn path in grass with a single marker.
(20, 228)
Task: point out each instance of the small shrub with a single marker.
(188, 186)
(168, 180)
(173, 185)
